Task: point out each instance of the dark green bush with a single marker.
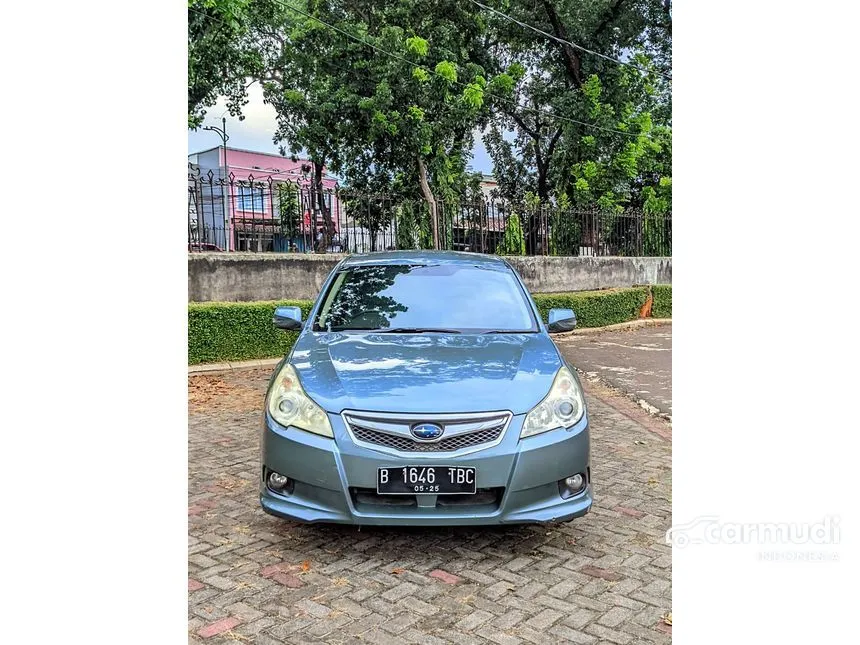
(595, 308)
(235, 331)
(662, 306)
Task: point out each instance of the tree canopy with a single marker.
(573, 99)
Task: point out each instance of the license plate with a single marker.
(426, 480)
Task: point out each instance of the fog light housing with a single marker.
(570, 486)
(279, 483)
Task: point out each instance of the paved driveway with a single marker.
(257, 579)
(638, 362)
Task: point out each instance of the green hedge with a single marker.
(235, 331)
(662, 306)
(595, 308)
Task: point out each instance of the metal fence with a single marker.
(273, 215)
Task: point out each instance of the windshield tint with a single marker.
(425, 298)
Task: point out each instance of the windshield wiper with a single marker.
(417, 330)
(509, 331)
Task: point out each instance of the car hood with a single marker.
(432, 373)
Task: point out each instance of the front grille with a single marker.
(462, 433)
(449, 444)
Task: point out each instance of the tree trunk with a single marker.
(570, 57)
(328, 223)
(431, 201)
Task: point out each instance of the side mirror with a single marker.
(288, 318)
(560, 320)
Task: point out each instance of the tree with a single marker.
(394, 82)
(294, 59)
(428, 97)
(548, 123)
(513, 242)
(289, 209)
(216, 62)
(565, 229)
(613, 169)
(370, 199)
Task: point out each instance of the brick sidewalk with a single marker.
(253, 578)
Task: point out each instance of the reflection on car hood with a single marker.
(433, 373)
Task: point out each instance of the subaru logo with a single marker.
(426, 431)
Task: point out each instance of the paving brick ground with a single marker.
(603, 578)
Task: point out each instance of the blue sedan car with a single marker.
(424, 389)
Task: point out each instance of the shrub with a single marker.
(513, 242)
(595, 308)
(662, 307)
(233, 331)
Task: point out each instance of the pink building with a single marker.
(247, 182)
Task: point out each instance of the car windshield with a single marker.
(454, 298)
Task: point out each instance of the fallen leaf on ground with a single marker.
(667, 618)
(306, 566)
(398, 570)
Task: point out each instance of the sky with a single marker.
(255, 132)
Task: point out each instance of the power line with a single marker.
(525, 108)
(567, 42)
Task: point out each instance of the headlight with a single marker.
(290, 406)
(562, 407)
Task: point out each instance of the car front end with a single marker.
(424, 426)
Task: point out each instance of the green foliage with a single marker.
(596, 308)
(513, 242)
(411, 227)
(662, 305)
(234, 331)
(614, 172)
(473, 94)
(447, 70)
(566, 229)
(416, 45)
(287, 196)
(554, 157)
(216, 62)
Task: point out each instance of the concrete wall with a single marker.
(556, 274)
(236, 277)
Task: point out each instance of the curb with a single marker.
(630, 324)
(211, 368)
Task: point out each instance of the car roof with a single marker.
(425, 257)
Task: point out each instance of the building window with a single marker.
(250, 241)
(250, 200)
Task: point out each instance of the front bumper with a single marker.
(335, 480)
